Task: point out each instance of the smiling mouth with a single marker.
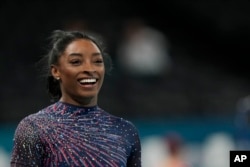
(88, 81)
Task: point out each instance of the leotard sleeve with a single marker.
(134, 160)
(27, 150)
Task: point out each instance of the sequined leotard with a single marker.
(67, 135)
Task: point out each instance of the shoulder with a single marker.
(26, 129)
(122, 123)
(28, 123)
(129, 124)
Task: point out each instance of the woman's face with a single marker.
(81, 71)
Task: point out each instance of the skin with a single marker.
(82, 59)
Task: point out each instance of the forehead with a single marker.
(82, 46)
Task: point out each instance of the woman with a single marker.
(75, 131)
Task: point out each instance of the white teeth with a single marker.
(87, 80)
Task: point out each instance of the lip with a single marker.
(88, 86)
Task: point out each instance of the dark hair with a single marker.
(59, 40)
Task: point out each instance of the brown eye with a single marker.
(75, 62)
(99, 61)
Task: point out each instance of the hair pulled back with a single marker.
(59, 40)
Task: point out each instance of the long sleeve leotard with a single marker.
(65, 135)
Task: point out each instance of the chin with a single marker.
(88, 96)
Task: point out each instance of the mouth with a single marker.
(88, 81)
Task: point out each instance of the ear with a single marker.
(55, 72)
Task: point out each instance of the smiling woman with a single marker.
(80, 72)
(75, 131)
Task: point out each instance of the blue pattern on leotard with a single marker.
(66, 135)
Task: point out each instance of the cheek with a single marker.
(67, 74)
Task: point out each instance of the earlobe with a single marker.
(54, 72)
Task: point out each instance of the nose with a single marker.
(88, 67)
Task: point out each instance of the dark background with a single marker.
(209, 48)
(198, 99)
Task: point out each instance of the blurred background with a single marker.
(180, 71)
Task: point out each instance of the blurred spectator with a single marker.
(242, 124)
(144, 51)
(175, 152)
(152, 150)
(143, 61)
(216, 149)
(4, 158)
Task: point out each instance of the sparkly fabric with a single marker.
(67, 135)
